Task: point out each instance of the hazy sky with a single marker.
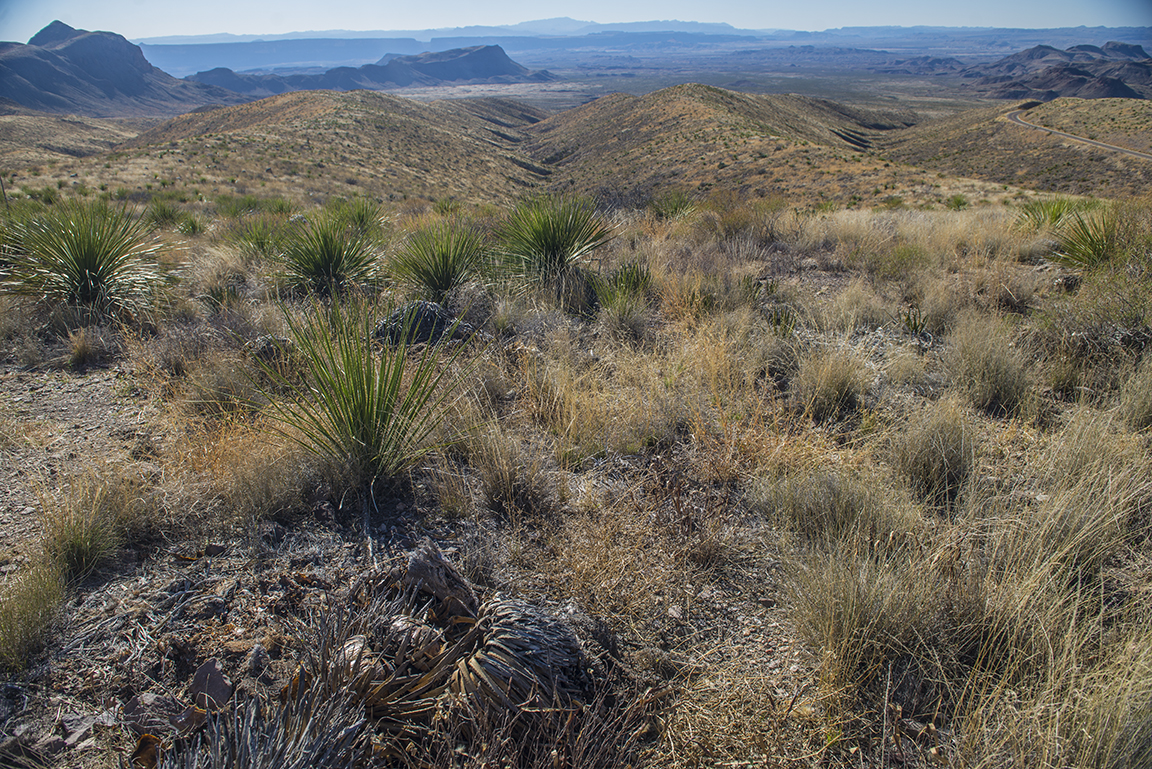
(20, 19)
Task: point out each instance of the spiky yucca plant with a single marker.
(1087, 241)
(368, 411)
(326, 255)
(438, 259)
(544, 244)
(84, 254)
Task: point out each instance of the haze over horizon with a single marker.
(137, 19)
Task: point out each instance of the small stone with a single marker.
(210, 688)
(257, 660)
(151, 713)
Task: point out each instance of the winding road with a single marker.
(1014, 117)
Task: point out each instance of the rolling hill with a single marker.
(701, 137)
(981, 144)
(321, 143)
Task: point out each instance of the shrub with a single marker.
(1037, 214)
(439, 259)
(325, 255)
(367, 412)
(258, 235)
(672, 204)
(935, 453)
(85, 254)
(162, 213)
(544, 243)
(359, 214)
(956, 203)
(1087, 241)
(232, 207)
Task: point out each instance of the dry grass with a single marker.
(830, 384)
(986, 366)
(709, 484)
(936, 453)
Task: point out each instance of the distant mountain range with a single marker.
(101, 74)
(478, 64)
(1043, 73)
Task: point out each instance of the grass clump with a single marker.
(544, 243)
(86, 255)
(438, 259)
(829, 384)
(28, 603)
(936, 453)
(986, 366)
(325, 256)
(1136, 398)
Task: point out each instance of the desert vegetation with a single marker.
(839, 485)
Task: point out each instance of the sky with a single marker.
(135, 19)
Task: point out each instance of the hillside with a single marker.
(324, 143)
(98, 74)
(980, 144)
(701, 137)
(28, 137)
(478, 64)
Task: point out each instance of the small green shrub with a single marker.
(1038, 214)
(368, 412)
(438, 259)
(672, 204)
(359, 214)
(1087, 241)
(162, 214)
(956, 203)
(257, 236)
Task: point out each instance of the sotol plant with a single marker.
(368, 411)
(544, 245)
(84, 254)
(327, 255)
(438, 259)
